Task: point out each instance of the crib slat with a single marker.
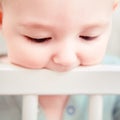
(84, 80)
(95, 107)
(30, 107)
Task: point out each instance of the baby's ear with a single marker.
(115, 4)
(0, 17)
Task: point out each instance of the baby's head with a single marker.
(56, 34)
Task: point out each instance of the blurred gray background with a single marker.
(114, 43)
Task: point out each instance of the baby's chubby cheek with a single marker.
(28, 58)
(92, 60)
(93, 57)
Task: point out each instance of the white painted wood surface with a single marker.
(83, 80)
(95, 107)
(30, 107)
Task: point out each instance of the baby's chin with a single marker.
(27, 66)
(39, 67)
(33, 66)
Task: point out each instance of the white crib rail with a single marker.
(94, 81)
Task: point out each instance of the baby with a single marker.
(58, 35)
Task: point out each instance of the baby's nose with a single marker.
(65, 58)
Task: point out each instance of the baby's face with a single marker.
(56, 34)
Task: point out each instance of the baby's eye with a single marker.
(39, 40)
(87, 38)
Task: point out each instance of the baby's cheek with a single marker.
(93, 56)
(28, 58)
(93, 59)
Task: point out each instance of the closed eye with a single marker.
(39, 40)
(87, 38)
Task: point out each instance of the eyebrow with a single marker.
(87, 26)
(96, 24)
(36, 25)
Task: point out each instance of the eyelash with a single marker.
(88, 38)
(39, 40)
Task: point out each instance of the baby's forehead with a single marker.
(69, 11)
(60, 2)
(59, 5)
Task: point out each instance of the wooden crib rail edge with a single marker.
(102, 79)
